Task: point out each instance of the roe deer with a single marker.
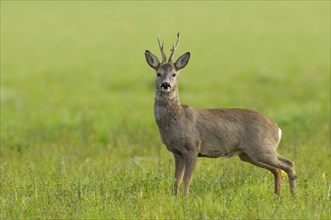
(190, 133)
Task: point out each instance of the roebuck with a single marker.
(190, 133)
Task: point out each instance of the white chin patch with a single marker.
(165, 90)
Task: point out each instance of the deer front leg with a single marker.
(179, 170)
(190, 161)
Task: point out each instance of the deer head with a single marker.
(167, 72)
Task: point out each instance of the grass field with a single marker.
(78, 137)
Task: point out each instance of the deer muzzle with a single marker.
(165, 87)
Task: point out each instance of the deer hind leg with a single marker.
(179, 171)
(275, 171)
(290, 170)
(280, 162)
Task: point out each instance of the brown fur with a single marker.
(190, 133)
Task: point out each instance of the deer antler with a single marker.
(174, 48)
(164, 58)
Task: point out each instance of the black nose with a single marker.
(165, 85)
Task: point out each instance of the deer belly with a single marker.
(215, 153)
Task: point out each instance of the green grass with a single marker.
(78, 137)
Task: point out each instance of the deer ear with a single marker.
(182, 61)
(151, 59)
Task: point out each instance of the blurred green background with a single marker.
(77, 99)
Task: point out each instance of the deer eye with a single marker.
(174, 75)
(158, 74)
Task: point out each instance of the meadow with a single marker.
(78, 136)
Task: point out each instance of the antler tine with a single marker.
(164, 58)
(174, 48)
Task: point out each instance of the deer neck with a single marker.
(167, 107)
